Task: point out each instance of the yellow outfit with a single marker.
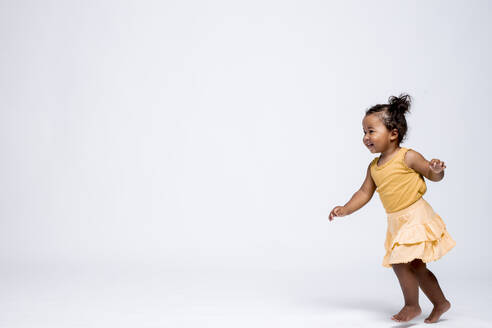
(415, 231)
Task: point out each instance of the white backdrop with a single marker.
(218, 135)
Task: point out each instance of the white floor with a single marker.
(135, 295)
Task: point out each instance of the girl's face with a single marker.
(376, 136)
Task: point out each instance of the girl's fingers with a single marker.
(437, 165)
(333, 213)
(337, 211)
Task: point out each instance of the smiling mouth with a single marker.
(370, 145)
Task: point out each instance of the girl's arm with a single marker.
(359, 199)
(432, 170)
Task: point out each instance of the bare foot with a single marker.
(407, 313)
(437, 311)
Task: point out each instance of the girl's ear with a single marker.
(394, 134)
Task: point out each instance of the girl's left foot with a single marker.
(407, 313)
(438, 310)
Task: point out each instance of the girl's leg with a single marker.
(410, 287)
(430, 286)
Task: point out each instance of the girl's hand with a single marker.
(337, 211)
(437, 166)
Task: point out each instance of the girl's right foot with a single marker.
(407, 313)
(438, 310)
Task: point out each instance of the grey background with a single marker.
(174, 162)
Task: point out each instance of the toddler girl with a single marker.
(415, 234)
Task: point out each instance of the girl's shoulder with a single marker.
(413, 158)
(401, 156)
(374, 161)
(405, 151)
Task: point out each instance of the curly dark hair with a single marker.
(393, 113)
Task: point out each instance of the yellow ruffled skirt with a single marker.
(416, 232)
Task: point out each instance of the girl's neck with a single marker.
(390, 151)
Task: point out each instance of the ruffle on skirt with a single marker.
(416, 232)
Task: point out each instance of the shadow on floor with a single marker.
(380, 309)
(404, 325)
(376, 306)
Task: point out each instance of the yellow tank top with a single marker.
(398, 185)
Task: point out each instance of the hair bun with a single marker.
(400, 104)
